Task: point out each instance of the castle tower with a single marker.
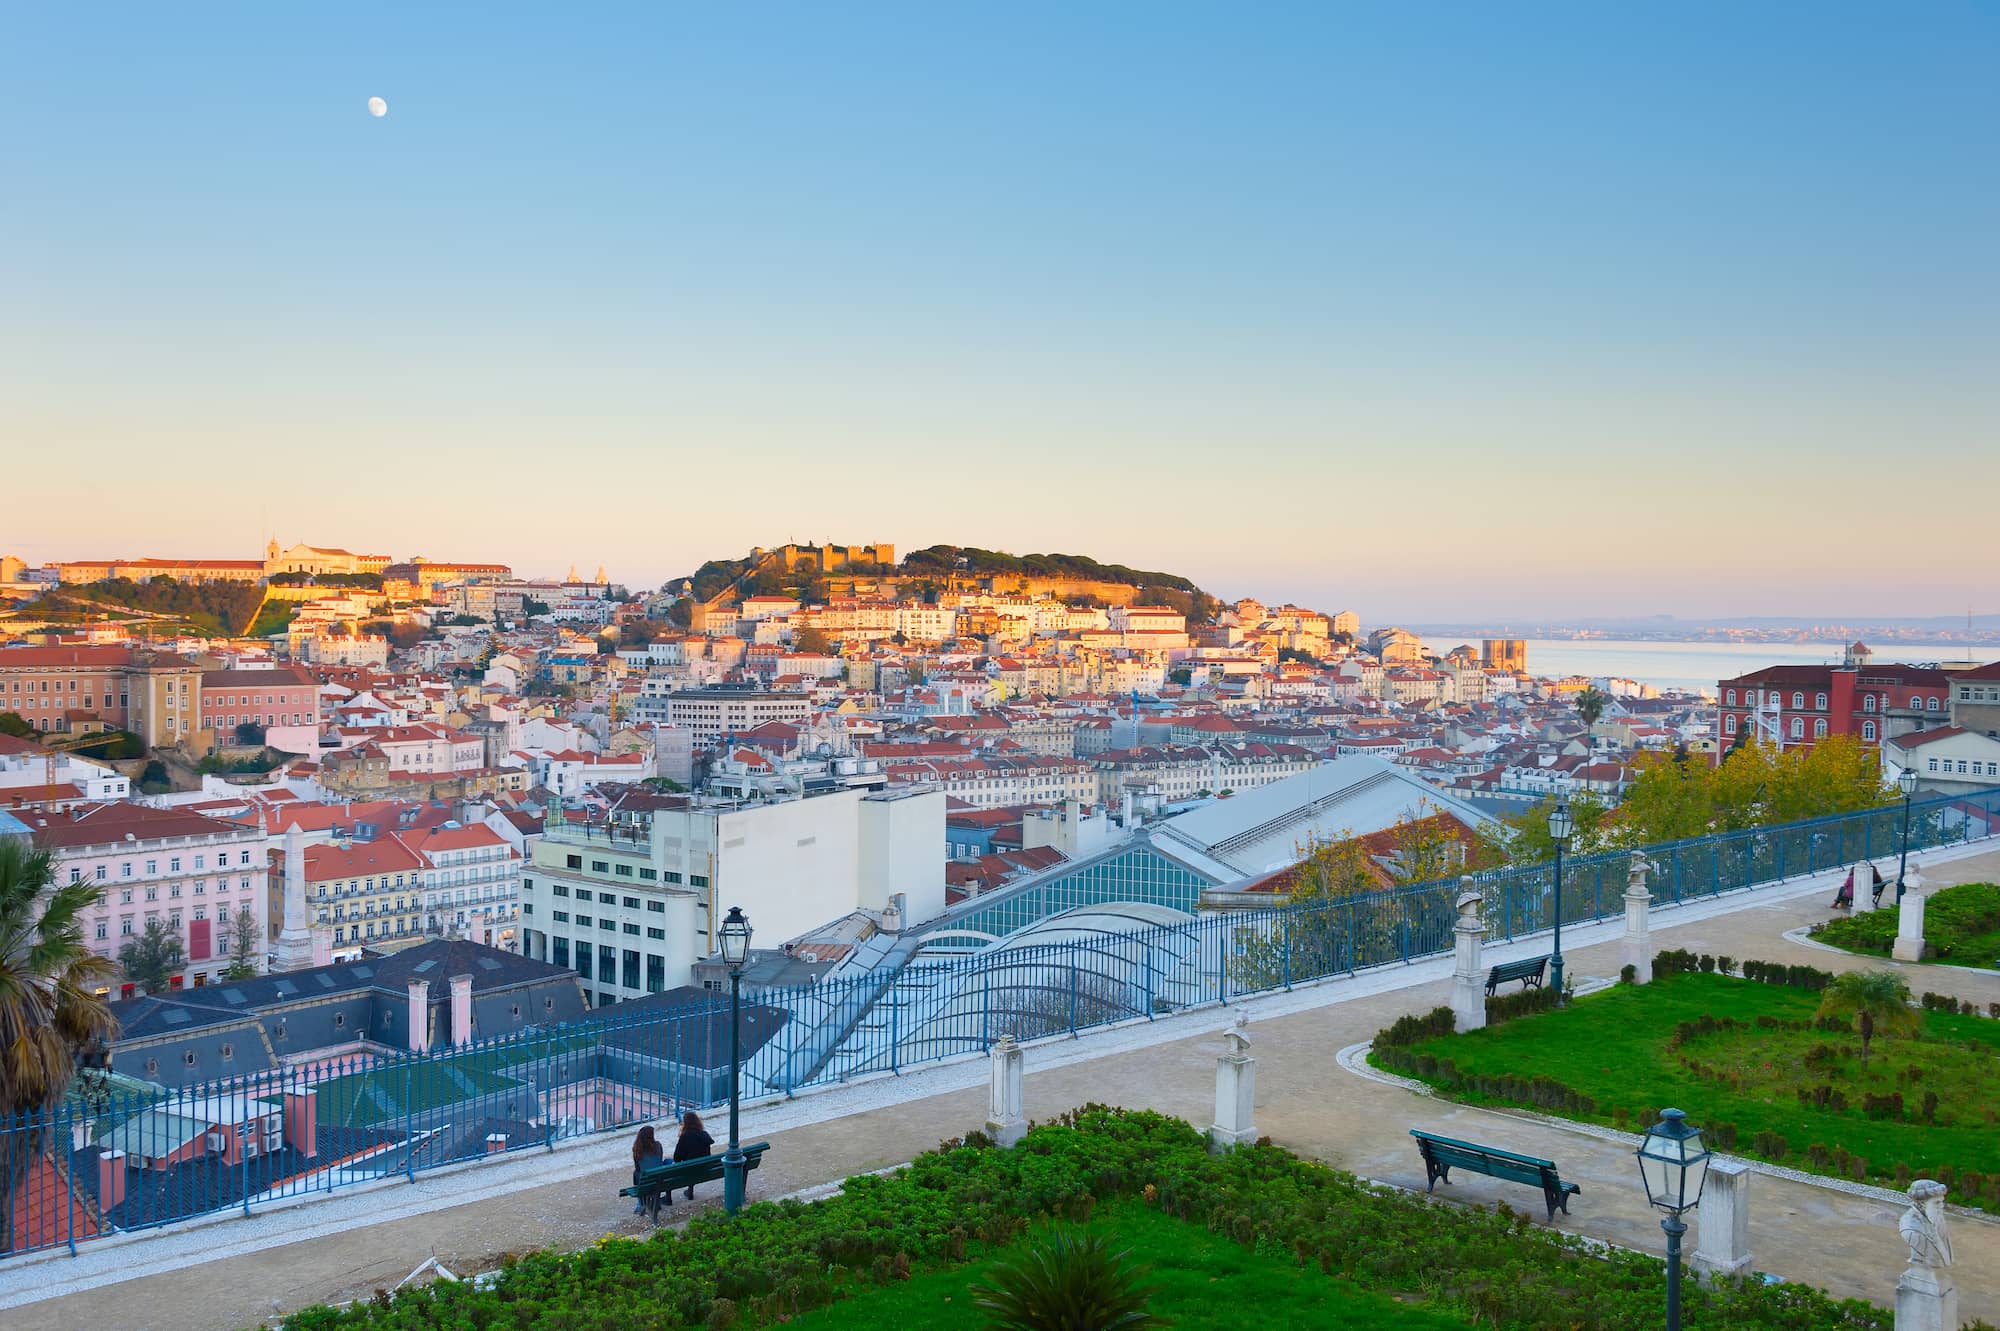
(601, 579)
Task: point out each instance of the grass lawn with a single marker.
(1961, 927)
(1204, 1279)
(1744, 1081)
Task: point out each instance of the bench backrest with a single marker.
(1514, 970)
(1452, 1151)
(751, 1156)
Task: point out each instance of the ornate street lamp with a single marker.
(1673, 1164)
(1561, 826)
(1908, 782)
(734, 937)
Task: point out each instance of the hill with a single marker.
(1080, 577)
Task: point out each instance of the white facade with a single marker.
(636, 903)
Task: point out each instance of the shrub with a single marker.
(1506, 1007)
(1067, 1281)
(1628, 975)
(1727, 965)
(1410, 1029)
(1770, 1145)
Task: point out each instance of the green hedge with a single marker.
(1499, 1268)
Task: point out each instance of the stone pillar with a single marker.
(1926, 1297)
(1864, 887)
(1468, 971)
(1235, 1091)
(1722, 1222)
(1635, 949)
(1005, 1122)
(1909, 944)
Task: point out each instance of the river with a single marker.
(1697, 665)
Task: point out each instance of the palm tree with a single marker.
(1877, 1000)
(1590, 705)
(50, 1010)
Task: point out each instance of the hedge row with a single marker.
(1500, 1268)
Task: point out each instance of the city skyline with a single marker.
(1427, 318)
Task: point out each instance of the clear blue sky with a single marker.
(1428, 311)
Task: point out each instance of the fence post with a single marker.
(1286, 919)
(1781, 857)
(1350, 938)
(1221, 970)
(986, 1006)
(243, 1149)
(895, 1031)
(409, 1092)
(1072, 998)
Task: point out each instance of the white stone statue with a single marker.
(1238, 1035)
(1923, 1225)
(1635, 875)
(1468, 903)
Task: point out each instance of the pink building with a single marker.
(191, 873)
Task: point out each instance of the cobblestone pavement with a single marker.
(236, 1272)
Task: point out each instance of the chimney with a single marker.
(496, 1142)
(110, 1179)
(461, 1009)
(302, 1122)
(420, 1016)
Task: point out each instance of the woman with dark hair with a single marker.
(694, 1142)
(646, 1153)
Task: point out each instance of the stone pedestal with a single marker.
(1005, 1121)
(1926, 1300)
(1722, 1221)
(1235, 1101)
(1468, 972)
(1635, 949)
(1864, 887)
(1909, 945)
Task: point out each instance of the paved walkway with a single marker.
(234, 1272)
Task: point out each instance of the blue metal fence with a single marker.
(119, 1154)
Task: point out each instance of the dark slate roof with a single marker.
(688, 1025)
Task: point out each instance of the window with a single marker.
(1961, 765)
(624, 871)
(631, 928)
(1798, 728)
(648, 874)
(607, 924)
(608, 898)
(339, 1020)
(599, 866)
(559, 951)
(697, 880)
(607, 966)
(1868, 730)
(1819, 728)
(560, 889)
(656, 934)
(125, 869)
(188, 1058)
(583, 921)
(631, 903)
(1933, 766)
(1798, 700)
(573, 861)
(657, 907)
(1729, 697)
(1933, 704)
(1819, 701)
(1729, 725)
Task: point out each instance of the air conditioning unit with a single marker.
(810, 958)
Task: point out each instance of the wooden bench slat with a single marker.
(1442, 1154)
(680, 1173)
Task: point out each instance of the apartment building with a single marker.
(710, 713)
(1794, 705)
(990, 780)
(630, 900)
(471, 883)
(191, 873)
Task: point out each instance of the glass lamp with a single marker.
(1673, 1162)
(735, 936)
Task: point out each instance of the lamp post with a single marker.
(735, 941)
(1671, 1158)
(1561, 825)
(1908, 782)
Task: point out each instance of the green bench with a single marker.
(664, 1178)
(1529, 973)
(1444, 1154)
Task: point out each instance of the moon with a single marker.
(377, 107)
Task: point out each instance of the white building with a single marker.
(631, 901)
(28, 777)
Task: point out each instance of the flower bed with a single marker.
(959, 1203)
(1750, 1063)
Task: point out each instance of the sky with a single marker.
(1430, 312)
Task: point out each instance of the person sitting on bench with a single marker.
(1877, 873)
(694, 1142)
(1844, 898)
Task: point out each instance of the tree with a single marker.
(151, 959)
(11, 723)
(530, 607)
(154, 780)
(680, 614)
(51, 1016)
(1527, 837)
(811, 640)
(246, 945)
(1590, 705)
(1879, 1002)
(249, 734)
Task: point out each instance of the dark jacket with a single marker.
(645, 1162)
(693, 1144)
